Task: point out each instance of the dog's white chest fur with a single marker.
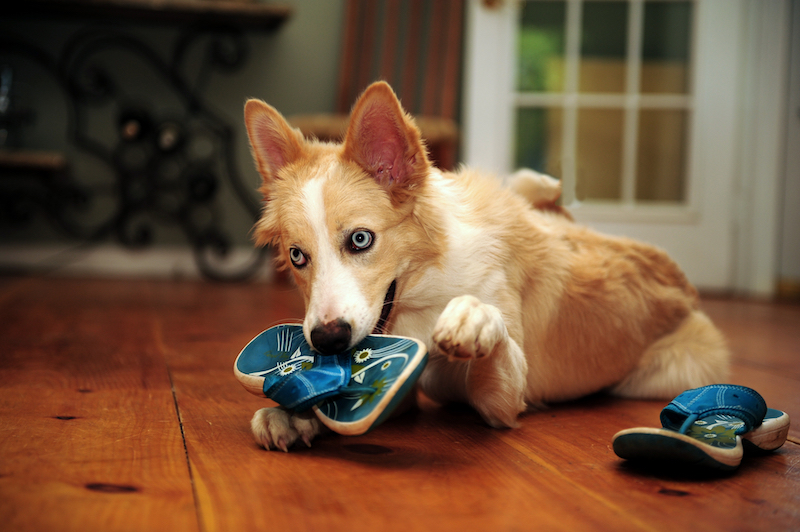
(470, 266)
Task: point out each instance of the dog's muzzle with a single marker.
(332, 337)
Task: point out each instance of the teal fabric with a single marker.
(715, 400)
(379, 366)
(348, 386)
(295, 377)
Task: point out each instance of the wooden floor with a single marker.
(119, 411)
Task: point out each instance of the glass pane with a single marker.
(665, 47)
(599, 151)
(539, 140)
(604, 43)
(661, 157)
(541, 46)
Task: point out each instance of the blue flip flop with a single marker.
(705, 426)
(351, 392)
(384, 370)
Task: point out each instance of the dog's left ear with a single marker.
(384, 141)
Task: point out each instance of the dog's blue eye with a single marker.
(297, 257)
(361, 240)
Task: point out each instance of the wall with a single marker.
(293, 68)
(789, 274)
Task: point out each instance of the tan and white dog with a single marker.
(518, 305)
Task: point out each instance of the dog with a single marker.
(519, 306)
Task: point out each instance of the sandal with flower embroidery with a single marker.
(351, 392)
(384, 370)
(706, 426)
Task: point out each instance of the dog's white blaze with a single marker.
(335, 290)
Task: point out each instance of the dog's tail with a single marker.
(541, 190)
(693, 355)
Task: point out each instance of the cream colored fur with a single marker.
(518, 305)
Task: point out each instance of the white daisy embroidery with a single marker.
(362, 355)
(287, 369)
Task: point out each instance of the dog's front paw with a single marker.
(276, 428)
(469, 329)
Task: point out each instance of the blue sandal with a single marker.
(351, 392)
(706, 426)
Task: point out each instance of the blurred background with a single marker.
(122, 148)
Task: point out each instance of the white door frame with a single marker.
(762, 144)
(726, 238)
(789, 270)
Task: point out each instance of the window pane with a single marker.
(665, 47)
(539, 140)
(541, 46)
(661, 158)
(604, 41)
(599, 151)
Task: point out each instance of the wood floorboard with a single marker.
(760, 334)
(89, 438)
(106, 387)
(765, 341)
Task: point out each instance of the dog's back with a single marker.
(590, 311)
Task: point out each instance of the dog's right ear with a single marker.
(275, 144)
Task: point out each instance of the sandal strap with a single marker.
(717, 399)
(300, 390)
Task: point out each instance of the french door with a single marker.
(635, 105)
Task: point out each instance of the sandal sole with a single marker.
(647, 444)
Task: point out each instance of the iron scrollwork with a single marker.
(169, 159)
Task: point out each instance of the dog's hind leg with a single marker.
(473, 334)
(693, 355)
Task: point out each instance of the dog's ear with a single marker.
(275, 144)
(384, 141)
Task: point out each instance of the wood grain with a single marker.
(89, 438)
(107, 387)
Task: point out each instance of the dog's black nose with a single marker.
(332, 337)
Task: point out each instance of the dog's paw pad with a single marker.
(307, 427)
(277, 428)
(469, 329)
(499, 410)
(272, 429)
